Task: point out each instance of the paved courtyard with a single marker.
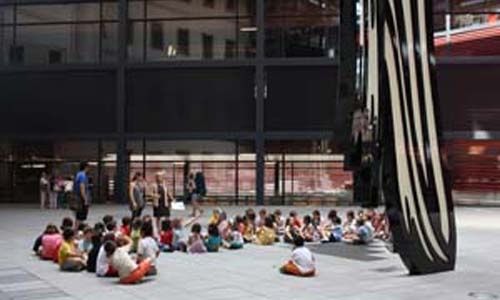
(345, 272)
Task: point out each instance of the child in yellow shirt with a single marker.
(70, 259)
(266, 235)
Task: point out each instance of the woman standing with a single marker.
(136, 195)
(162, 199)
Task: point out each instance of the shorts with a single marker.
(235, 246)
(82, 213)
(71, 266)
(159, 212)
(138, 274)
(291, 269)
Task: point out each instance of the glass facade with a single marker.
(302, 28)
(165, 30)
(244, 93)
(66, 33)
(22, 163)
(191, 30)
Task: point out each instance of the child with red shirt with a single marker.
(125, 228)
(166, 236)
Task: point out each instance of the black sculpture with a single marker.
(400, 146)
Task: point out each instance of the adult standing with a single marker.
(136, 195)
(53, 192)
(44, 190)
(82, 194)
(162, 199)
(193, 195)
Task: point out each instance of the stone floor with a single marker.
(252, 273)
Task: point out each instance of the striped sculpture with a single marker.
(400, 96)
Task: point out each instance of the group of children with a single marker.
(130, 251)
(105, 249)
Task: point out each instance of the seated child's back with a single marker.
(214, 240)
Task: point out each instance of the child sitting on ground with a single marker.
(66, 223)
(279, 222)
(148, 248)
(294, 219)
(261, 218)
(317, 220)
(290, 231)
(107, 218)
(223, 226)
(96, 246)
(214, 240)
(128, 270)
(195, 242)
(51, 241)
(266, 235)
(125, 228)
(235, 239)
(112, 227)
(249, 221)
(69, 258)
(103, 268)
(135, 234)
(214, 218)
(85, 244)
(302, 262)
(166, 236)
(361, 236)
(311, 232)
(240, 223)
(336, 233)
(349, 225)
(180, 239)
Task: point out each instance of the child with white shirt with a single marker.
(302, 262)
(128, 270)
(148, 248)
(103, 268)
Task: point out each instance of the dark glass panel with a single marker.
(167, 9)
(302, 37)
(477, 6)
(57, 13)
(206, 39)
(191, 100)
(109, 42)
(54, 44)
(110, 10)
(6, 47)
(300, 98)
(135, 45)
(302, 7)
(6, 14)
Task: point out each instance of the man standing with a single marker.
(82, 194)
(44, 190)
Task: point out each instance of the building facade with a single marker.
(245, 91)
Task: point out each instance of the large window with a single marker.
(190, 30)
(22, 163)
(467, 28)
(302, 28)
(305, 170)
(32, 34)
(227, 166)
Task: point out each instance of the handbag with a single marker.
(74, 202)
